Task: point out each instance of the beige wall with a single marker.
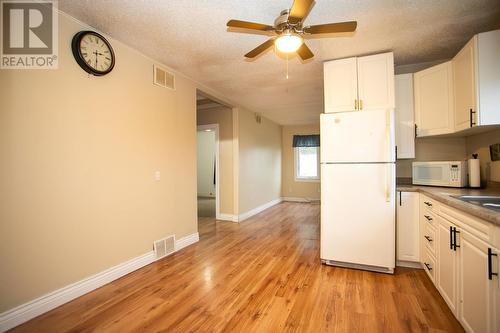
(433, 149)
(205, 161)
(259, 160)
(290, 187)
(480, 144)
(222, 116)
(442, 149)
(78, 155)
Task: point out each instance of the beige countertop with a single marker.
(444, 195)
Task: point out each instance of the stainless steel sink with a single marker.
(487, 201)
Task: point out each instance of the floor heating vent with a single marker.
(163, 78)
(164, 247)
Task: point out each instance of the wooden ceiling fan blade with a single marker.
(249, 25)
(259, 49)
(331, 28)
(304, 52)
(299, 10)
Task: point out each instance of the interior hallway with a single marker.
(261, 275)
(206, 207)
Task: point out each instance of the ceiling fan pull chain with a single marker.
(287, 66)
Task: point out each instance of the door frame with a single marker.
(215, 128)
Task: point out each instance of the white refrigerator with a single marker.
(358, 186)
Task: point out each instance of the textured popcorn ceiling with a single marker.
(190, 36)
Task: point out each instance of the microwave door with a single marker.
(434, 174)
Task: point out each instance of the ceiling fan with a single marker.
(288, 30)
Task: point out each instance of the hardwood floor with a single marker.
(262, 275)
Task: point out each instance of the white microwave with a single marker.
(445, 173)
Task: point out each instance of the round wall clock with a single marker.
(93, 53)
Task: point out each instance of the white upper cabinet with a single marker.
(488, 78)
(476, 79)
(404, 116)
(464, 83)
(461, 93)
(376, 82)
(433, 91)
(341, 85)
(357, 84)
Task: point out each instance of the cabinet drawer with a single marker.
(429, 264)
(428, 204)
(428, 217)
(430, 240)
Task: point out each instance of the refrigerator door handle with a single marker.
(388, 182)
(388, 133)
(388, 174)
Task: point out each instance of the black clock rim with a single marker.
(75, 47)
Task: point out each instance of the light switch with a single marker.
(157, 176)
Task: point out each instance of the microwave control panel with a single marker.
(454, 173)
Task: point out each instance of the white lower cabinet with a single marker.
(407, 227)
(460, 255)
(478, 309)
(447, 263)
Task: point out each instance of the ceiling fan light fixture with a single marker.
(288, 42)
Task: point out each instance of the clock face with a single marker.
(93, 53)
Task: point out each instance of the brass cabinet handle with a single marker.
(361, 104)
(355, 104)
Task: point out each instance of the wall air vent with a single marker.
(163, 78)
(164, 247)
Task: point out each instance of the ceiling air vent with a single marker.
(164, 247)
(163, 78)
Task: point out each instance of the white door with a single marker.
(357, 137)
(376, 82)
(477, 303)
(357, 213)
(340, 85)
(404, 116)
(447, 262)
(464, 83)
(407, 225)
(434, 100)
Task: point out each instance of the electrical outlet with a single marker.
(157, 176)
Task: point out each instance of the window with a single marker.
(306, 163)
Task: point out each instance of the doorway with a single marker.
(208, 170)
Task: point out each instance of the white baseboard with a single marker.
(298, 199)
(409, 264)
(186, 241)
(47, 302)
(227, 217)
(258, 209)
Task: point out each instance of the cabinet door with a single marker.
(488, 77)
(464, 83)
(477, 292)
(404, 116)
(447, 262)
(407, 226)
(434, 100)
(376, 82)
(340, 85)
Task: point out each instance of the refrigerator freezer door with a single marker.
(358, 214)
(352, 137)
